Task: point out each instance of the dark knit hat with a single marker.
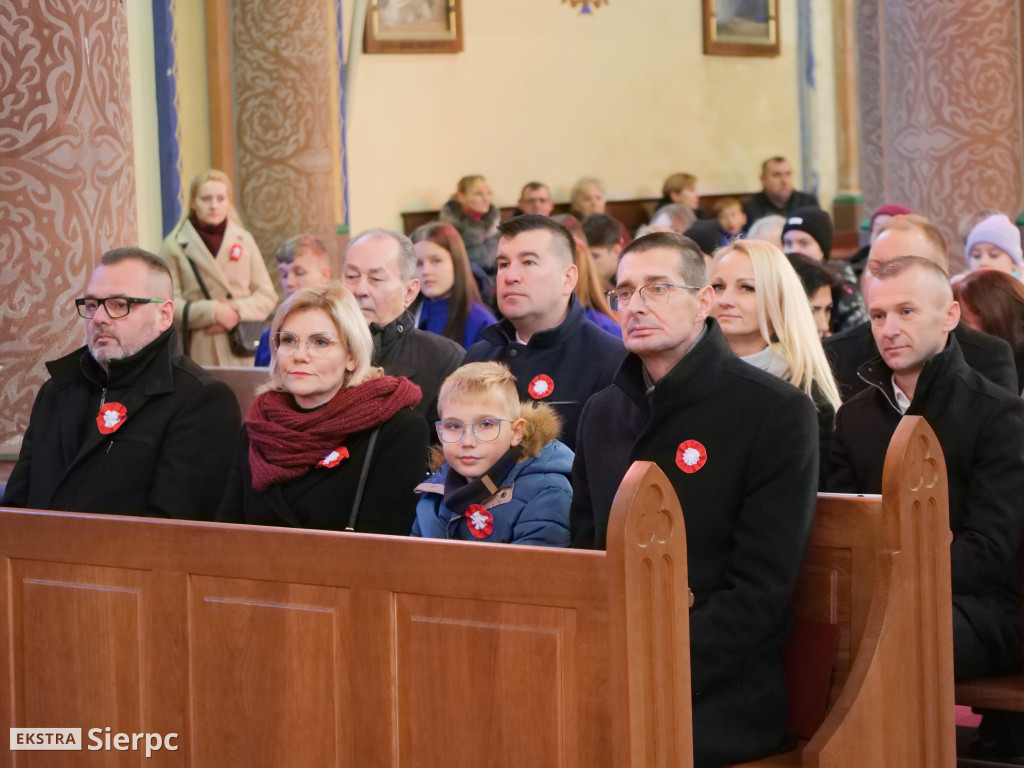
(707, 235)
(816, 223)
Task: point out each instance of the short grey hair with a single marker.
(406, 250)
(691, 258)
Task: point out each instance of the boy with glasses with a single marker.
(504, 478)
(126, 424)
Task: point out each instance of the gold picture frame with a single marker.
(741, 27)
(413, 26)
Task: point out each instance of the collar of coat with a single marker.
(697, 375)
(503, 332)
(386, 335)
(487, 224)
(152, 365)
(937, 370)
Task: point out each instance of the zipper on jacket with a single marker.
(881, 389)
(103, 397)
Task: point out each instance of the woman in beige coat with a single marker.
(240, 288)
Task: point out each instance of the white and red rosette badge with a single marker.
(479, 520)
(691, 456)
(111, 417)
(334, 458)
(541, 386)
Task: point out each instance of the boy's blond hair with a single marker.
(543, 423)
(481, 380)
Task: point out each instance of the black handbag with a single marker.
(243, 338)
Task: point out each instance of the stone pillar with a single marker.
(941, 108)
(67, 180)
(285, 137)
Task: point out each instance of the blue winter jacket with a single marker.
(531, 507)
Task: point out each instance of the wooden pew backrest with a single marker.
(244, 381)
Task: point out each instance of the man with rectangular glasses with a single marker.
(126, 424)
(740, 448)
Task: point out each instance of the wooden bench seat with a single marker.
(279, 648)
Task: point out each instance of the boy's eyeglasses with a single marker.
(486, 429)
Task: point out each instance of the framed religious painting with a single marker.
(741, 27)
(413, 26)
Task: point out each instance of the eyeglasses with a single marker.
(114, 306)
(486, 429)
(317, 345)
(653, 295)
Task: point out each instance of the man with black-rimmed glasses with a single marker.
(126, 424)
(740, 448)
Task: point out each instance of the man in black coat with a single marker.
(380, 271)
(914, 236)
(557, 355)
(777, 196)
(127, 425)
(980, 427)
(740, 447)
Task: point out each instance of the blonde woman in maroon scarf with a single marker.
(330, 442)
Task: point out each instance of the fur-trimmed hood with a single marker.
(473, 231)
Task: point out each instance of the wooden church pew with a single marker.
(271, 647)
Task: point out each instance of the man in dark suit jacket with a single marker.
(777, 195)
(740, 448)
(127, 425)
(848, 351)
(380, 270)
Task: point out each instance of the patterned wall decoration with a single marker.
(945, 135)
(67, 180)
(284, 72)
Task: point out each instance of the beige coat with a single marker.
(244, 277)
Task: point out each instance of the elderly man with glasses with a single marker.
(126, 424)
(740, 448)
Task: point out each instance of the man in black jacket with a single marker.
(127, 425)
(380, 270)
(777, 195)
(740, 447)
(557, 355)
(980, 427)
(848, 351)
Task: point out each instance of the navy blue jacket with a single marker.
(577, 356)
(530, 507)
(433, 317)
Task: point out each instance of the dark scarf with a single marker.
(459, 492)
(286, 443)
(212, 236)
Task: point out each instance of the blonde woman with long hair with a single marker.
(219, 275)
(762, 309)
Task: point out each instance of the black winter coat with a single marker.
(848, 351)
(758, 206)
(980, 427)
(169, 458)
(425, 358)
(322, 498)
(748, 513)
(576, 357)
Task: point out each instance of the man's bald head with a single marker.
(911, 235)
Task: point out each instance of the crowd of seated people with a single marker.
(490, 381)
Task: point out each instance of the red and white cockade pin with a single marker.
(541, 386)
(111, 417)
(236, 252)
(334, 458)
(480, 522)
(691, 456)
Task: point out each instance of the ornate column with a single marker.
(67, 180)
(941, 107)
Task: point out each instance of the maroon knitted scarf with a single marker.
(285, 443)
(212, 235)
